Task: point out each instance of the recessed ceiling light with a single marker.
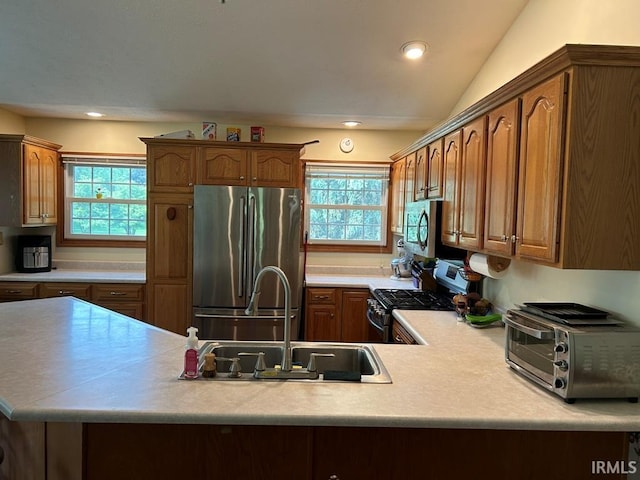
(414, 49)
(351, 123)
(95, 114)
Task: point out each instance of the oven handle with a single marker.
(534, 332)
(374, 324)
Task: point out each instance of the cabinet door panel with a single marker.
(172, 168)
(410, 178)
(274, 168)
(322, 323)
(170, 307)
(450, 205)
(353, 316)
(223, 166)
(435, 169)
(472, 171)
(539, 187)
(172, 226)
(398, 173)
(420, 185)
(501, 178)
(31, 197)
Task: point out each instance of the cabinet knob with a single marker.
(241, 177)
(503, 238)
(171, 213)
(190, 184)
(514, 239)
(334, 477)
(255, 179)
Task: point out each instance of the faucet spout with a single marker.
(252, 310)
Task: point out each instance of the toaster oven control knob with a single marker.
(562, 365)
(560, 383)
(561, 348)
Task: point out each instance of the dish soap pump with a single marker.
(191, 354)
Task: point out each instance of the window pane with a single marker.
(357, 196)
(121, 212)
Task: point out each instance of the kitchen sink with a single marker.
(340, 361)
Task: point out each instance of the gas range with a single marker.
(413, 299)
(383, 301)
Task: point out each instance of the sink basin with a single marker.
(348, 358)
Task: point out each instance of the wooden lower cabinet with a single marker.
(125, 298)
(336, 314)
(157, 452)
(401, 335)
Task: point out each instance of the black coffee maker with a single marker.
(33, 253)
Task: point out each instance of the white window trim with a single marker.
(98, 160)
(380, 170)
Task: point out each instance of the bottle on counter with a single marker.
(191, 354)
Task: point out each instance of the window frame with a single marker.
(319, 246)
(61, 239)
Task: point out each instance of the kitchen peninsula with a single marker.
(101, 390)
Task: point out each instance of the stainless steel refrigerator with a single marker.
(237, 231)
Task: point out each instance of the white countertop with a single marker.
(357, 281)
(63, 359)
(68, 275)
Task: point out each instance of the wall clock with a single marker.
(346, 145)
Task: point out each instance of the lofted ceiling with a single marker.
(306, 63)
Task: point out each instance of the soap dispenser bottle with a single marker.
(191, 354)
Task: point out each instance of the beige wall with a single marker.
(543, 27)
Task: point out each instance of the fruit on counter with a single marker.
(481, 307)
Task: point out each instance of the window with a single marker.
(105, 198)
(346, 204)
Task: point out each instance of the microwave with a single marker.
(422, 227)
(600, 361)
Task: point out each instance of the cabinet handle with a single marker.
(171, 213)
(255, 179)
(514, 239)
(503, 238)
(334, 477)
(241, 177)
(117, 294)
(14, 291)
(321, 297)
(190, 184)
(398, 339)
(65, 292)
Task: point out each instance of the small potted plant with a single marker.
(99, 193)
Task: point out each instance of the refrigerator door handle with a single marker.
(243, 240)
(251, 242)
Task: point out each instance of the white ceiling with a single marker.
(308, 63)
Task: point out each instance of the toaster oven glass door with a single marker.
(530, 346)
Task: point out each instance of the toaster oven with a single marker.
(574, 361)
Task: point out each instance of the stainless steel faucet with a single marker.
(252, 309)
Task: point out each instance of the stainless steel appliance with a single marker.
(33, 253)
(574, 352)
(237, 232)
(383, 301)
(422, 225)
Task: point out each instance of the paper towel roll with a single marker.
(489, 266)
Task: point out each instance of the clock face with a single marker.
(346, 145)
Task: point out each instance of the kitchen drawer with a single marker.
(400, 335)
(322, 295)
(133, 310)
(117, 292)
(78, 290)
(18, 291)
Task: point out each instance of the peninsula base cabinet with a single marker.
(169, 451)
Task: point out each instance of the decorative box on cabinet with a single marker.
(28, 184)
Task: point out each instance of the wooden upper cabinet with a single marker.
(471, 184)
(40, 185)
(275, 168)
(410, 177)
(420, 184)
(398, 176)
(502, 171)
(540, 170)
(223, 166)
(29, 181)
(171, 168)
(435, 169)
(451, 174)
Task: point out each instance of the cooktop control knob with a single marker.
(561, 347)
(562, 365)
(560, 383)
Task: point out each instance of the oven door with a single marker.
(379, 330)
(529, 348)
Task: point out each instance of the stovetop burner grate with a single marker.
(413, 299)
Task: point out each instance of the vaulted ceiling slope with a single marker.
(307, 63)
